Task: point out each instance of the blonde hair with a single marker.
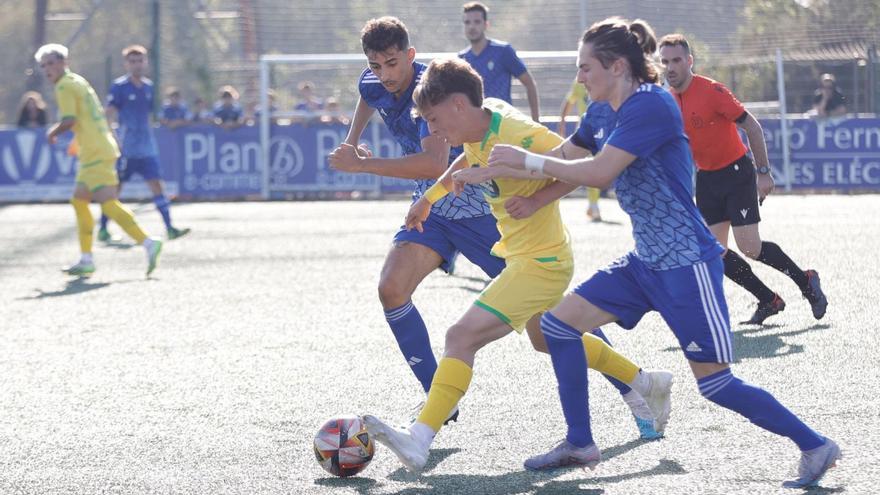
(56, 49)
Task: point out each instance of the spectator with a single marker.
(227, 112)
(174, 111)
(828, 101)
(272, 109)
(201, 114)
(310, 106)
(33, 111)
(333, 114)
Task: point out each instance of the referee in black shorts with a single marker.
(729, 185)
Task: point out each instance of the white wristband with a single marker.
(534, 163)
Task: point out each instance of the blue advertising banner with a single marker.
(827, 154)
(207, 162)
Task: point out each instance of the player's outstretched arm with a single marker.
(596, 172)
(428, 164)
(521, 207)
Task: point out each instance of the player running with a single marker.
(131, 97)
(536, 249)
(676, 268)
(96, 178)
(728, 193)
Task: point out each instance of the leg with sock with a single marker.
(738, 270)
(412, 338)
(120, 214)
(772, 255)
(85, 224)
(566, 348)
(758, 406)
(163, 205)
(808, 281)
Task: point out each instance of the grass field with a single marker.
(213, 376)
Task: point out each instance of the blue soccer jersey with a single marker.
(595, 127)
(409, 131)
(656, 190)
(496, 64)
(134, 104)
(175, 112)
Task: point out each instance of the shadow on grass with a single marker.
(76, 286)
(755, 343)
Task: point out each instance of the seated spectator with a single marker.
(174, 111)
(227, 112)
(828, 101)
(309, 107)
(201, 114)
(33, 111)
(333, 113)
(272, 109)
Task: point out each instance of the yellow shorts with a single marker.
(97, 174)
(526, 287)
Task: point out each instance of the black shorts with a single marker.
(729, 194)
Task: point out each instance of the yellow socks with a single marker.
(120, 214)
(451, 381)
(593, 195)
(604, 359)
(85, 224)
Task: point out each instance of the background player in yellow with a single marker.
(81, 111)
(577, 100)
(536, 250)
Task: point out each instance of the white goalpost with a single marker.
(554, 72)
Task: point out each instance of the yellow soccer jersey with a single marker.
(542, 235)
(77, 99)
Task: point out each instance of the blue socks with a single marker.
(412, 338)
(570, 365)
(162, 204)
(619, 385)
(759, 407)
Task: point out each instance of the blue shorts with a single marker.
(147, 167)
(690, 299)
(472, 237)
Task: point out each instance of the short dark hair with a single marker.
(378, 35)
(133, 50)
(675, 39)
(442, 79)
(634, 41)
(476, 7)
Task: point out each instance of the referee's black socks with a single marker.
(738, 270)
(772, 254)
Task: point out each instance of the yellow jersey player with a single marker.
(81, 111)
(536, 249)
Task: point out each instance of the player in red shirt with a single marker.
(729, 185)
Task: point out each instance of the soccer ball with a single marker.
(343, 447)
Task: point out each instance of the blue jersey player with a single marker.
(676, 267)
(457, 224)
(495, 61)
(131, 101)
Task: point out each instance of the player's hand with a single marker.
(765, 186)
(417, 214)
(504, 155)
(473, 175)
(345, 159)
(363, 151)
(521, 207)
